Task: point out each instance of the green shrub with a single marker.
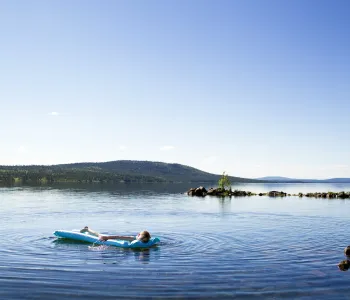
(224, 182)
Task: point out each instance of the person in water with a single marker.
(143, 236)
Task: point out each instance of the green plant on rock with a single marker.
(224, 182)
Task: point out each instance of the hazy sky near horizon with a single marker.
(253, 88)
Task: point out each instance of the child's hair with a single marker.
(347, 251)
(344, 265)
(145, 236)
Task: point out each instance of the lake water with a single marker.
(244, 247)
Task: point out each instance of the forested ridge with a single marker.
(112, 171)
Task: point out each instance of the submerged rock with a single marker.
(277, 194)
(212, 192)
(240, 193)
(331, 195)
(200, 191)
(343, 195)
(191, 191)
(347, 251)
(344, 265)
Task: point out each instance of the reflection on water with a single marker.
(210, 247)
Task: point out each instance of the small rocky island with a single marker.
(222, 192)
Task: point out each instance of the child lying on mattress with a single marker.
(143, 236)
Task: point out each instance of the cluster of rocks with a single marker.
(341, 195)
(275, 194)
(344, 265)
(202, 192)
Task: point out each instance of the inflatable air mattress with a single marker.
(86, 237)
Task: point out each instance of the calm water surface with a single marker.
(210, 248)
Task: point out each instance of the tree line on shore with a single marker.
(111, 172)
(38, 174)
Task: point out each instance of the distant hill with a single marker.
(286, 179)
(338, 180)
(168, 172)
(112, 171)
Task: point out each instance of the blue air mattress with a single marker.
(86, 237)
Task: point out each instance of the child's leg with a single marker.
(87, 229)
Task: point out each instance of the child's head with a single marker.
(144, 236)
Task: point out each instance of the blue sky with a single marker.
(253, 88)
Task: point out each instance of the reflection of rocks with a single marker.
(344, 265)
